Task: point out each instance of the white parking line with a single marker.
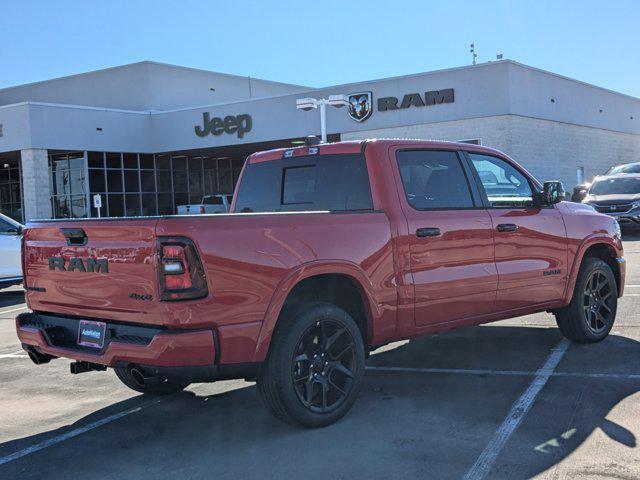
(13, 310)
(517, 373)
(518, 411)
(18, 354)
(72, 433)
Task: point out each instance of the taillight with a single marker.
(181, 273)
(23, 262)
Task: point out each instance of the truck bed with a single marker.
(245, 258)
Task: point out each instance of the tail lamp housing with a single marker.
(23, 261)
(181, 274)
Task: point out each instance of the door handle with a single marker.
(507, 227)
(428, 232)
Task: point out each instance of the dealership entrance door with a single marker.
(11, 186)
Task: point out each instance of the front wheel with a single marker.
(590, 315)
(315, 366)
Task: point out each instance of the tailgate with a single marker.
(98, 268)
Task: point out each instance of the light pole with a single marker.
(337, 101)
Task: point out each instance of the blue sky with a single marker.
(323, 42)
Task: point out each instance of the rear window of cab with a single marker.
(334, 183)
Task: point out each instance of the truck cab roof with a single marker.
(356, 146)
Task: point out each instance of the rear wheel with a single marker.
(590, 315)
(135, 379)
(315, 366)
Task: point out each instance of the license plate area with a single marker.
(91, 334)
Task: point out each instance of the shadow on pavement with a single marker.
(12, 297)
(404, 424)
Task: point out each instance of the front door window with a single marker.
(505, 186)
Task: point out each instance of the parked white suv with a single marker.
(10, 266)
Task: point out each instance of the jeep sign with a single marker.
(238, 124)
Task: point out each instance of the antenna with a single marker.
(499, 56)
(473, 53)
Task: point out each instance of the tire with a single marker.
(153, 386)
(315, 366)
(589, 318)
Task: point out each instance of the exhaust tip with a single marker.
(37, 357)
(138, 377)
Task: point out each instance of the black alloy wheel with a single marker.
(590, 314)
(315, 366)
(597, 302)
(323, 366)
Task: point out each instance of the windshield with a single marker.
(629, 168)
(611, 186)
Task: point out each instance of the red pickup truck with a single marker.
(329, 252)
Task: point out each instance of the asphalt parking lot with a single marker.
(507, 400)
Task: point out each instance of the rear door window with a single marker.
(434, 180)
(335, 183)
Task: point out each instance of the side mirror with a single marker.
(14, 231)
(579, 192)
(552, 192)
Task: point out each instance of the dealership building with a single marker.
(149, 136)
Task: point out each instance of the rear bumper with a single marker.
(125, 343)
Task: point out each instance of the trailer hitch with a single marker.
(82, 367)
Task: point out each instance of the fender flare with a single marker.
(302, 272)
(588, 242)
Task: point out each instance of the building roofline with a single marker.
(564, 77)
(79, 107)
(145, 62)
(490, 63)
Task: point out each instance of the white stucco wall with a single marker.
(550, 150)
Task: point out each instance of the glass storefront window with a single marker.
(131, 181)
(164, 180)
(113, 160)
(95, 159)
(146, 161)
(78, 206)
(130, 160)
(68, 185)
(132, 203)
(149, 204)
(179, 181)
(96, 181)
(147, 181)
(116, 205)
(114, 180)
(134, 184)
(11, 186)
(61, 206)
(165, 204)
